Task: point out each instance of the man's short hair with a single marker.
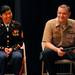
(4, 8)
(65, 6)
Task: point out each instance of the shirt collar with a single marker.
(6, 25)
(68, 23)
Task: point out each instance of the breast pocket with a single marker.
(69, 37)
(15, 32)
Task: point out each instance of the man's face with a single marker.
(6, 16)
(63, 14)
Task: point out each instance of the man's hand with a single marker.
(8, 50)
(60, 52)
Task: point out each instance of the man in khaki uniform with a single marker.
(59, 34)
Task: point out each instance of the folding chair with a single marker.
(23, 70)
(64, 61)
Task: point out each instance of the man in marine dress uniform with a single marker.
(11, 40)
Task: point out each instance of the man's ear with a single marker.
(0, 16)
(69, 14)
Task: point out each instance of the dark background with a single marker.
(33, 15)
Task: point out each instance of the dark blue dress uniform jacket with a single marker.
(11, 36)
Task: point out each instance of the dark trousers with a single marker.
(14, 60)
(49, 57)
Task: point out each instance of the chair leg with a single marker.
(42, 68)
(22, 68)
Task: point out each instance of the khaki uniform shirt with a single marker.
(60, 35)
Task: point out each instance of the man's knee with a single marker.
(45, 54)
(2, 55)
(16, 55)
